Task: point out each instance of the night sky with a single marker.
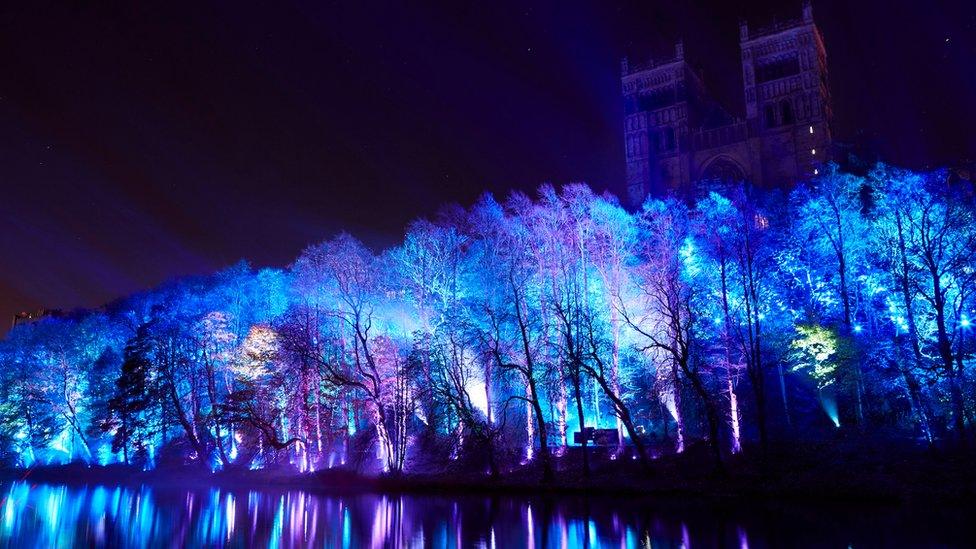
(143, 143)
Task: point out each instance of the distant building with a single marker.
(28, 317)
(679, 140)
(963, 172)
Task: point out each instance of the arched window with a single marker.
(723, 169)
(769, 115)
(786, 112)
(723, 175)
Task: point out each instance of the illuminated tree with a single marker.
(486, 333)
(934, 231)
(28, 420)
(556, 233)
(592, 254)
(891, 240)
(456, 379)
(754, 254)
(509, 330)
(426, 274)
(133, 397)
(609, 246)
(343, 344)
(817, 350)
(668, 321)
(832, 227)
(255, 405)
(215, 344)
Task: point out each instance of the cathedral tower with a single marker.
(787, 99)
(662, 100)
(680, 141)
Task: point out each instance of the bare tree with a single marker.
(348, 271)
(669, 321)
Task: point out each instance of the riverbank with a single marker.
(829, 473)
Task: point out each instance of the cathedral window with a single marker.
(769, 116)
(786, 112)
(777, 68)
(657, 99)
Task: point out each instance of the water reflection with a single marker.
(39, 515)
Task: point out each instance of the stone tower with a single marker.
(661, 104)
(787, 99)
(679, 141)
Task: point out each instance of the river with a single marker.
(50, 515)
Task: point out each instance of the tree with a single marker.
(894, 191)
(509, 331)
(818, 351)
(215, 343)
(30, 407)
(936, 234)
(830, 217)
(716, 231)
(346, 268)
(132, 398)
(610, 247)
(754, 264)
(668, 323)
(258, 404)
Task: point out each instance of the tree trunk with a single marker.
(678, 416)
(548, 474)
(948, 363)
(624, 414)
(711, 414)
(184, 421)
(582, 423)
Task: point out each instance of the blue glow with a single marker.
(165, 373)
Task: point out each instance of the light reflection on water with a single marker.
(42, 515)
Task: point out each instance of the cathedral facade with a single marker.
(680, 141)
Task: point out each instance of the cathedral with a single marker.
(681, 141)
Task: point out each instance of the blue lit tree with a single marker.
(509, 324)
(28, 419)
(668, 296)
(133, 398)
(832, 229)
(934, 229)
(716, 229)
(490, 334)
